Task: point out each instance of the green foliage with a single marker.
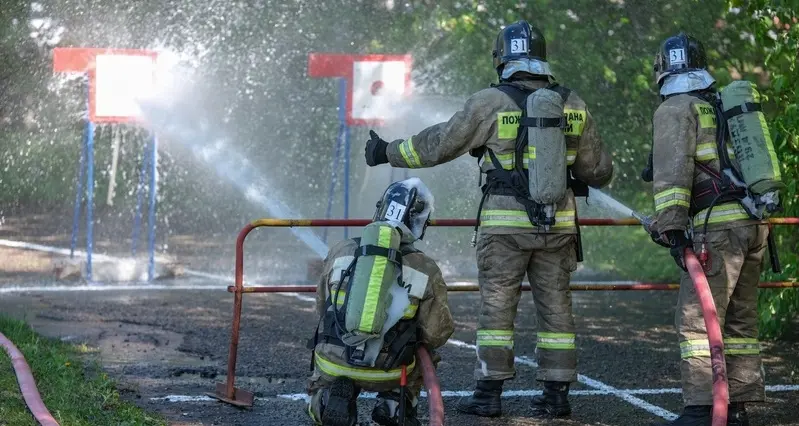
(775, 30)
(74, 394)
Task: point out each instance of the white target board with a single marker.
(376, 86)
(121, 80)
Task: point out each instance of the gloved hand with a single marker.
(678, 241)
(579, 187)
(376, 150)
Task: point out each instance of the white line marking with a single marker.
(505, 394)
(183, 398)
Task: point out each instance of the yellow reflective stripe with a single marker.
(409, 154)
(575, 121)
(508, 124)
(375, 282)
(730, 152)
(410, 311)
(513, 218)
(707, 116)
(508, 160)
(559, 341)
(727, 212)
(564, 219)
(342, 296)
(571, 156)
(741, 346)
(694, 348)
(706, 151)
(366, 374)
(770, 146)
(495, 338)
(672, 197)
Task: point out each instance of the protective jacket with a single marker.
(684, 135)
(428, 307)
(488, 121)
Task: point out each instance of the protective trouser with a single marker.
(548, 260)
(733, 274)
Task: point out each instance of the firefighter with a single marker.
(341, 371)
(698, 204)
(517, 235)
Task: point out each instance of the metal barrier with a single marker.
(227, 392)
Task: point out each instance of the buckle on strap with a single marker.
(543, 122)
(370, 250)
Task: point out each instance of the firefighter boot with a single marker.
(386, 412)
(692, 415)
(554, 402)
(339, 404)
(736, 414)
(485, 401)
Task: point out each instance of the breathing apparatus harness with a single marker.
(515, 182)
(400, 341)
(726, 185)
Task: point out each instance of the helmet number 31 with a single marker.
(395, 211)
(518, 45)
(677, 56)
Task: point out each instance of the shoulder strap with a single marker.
(562, 90)
(517, 94)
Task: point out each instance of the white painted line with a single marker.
(183, 398)
(104, 287)
(505, 394)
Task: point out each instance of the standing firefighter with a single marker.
(532, 136)
(715, 176)
(378, 299)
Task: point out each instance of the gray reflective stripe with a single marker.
(741, 346)
(495, 338)
(694, 348)
(555, 341)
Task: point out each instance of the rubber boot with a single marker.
(554, 402)
(386, 412)
(338, 404)
(737, 415)
(485, 401)
(692, 415)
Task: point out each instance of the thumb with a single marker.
(373, 135)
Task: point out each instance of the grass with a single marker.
(75, 391)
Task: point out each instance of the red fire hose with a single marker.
(434, 398)
(721, 394)
(26, 384)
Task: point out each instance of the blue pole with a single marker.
(342, 95)
(78, 194)
(153, 192)
(89, 197)
(333, 174)
(139, 196)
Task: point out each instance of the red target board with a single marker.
(374, 82)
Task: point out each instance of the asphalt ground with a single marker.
(170, 347)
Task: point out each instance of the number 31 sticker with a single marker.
(677, 56)
(395, 211)
(518, 45)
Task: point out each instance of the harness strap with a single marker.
(543, 122)
(741, 109)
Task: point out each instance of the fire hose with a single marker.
(434, 399)
(27, 385)
(721, 393)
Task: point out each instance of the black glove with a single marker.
(655, 236)
(648, 175)
(579, 187)
(376, 150)
(678, 241)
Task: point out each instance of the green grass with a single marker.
(75, 391)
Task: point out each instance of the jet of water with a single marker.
(218, 153)
(609, 202)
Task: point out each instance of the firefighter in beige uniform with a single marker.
(337, 380)
(688, 163)
(510, 246)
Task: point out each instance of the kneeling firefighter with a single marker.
(378, 298)
(716, 177)
(538, 145)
